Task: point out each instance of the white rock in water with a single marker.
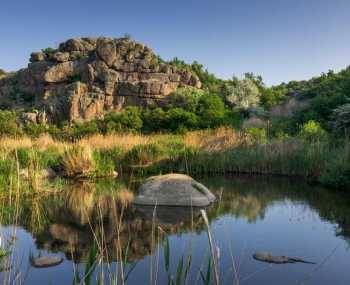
(173, 190)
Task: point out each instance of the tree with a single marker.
(211, 110)
(186, 98)
(341, 118)
(243, 94)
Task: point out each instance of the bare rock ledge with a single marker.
(173, 190)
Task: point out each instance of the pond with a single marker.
(100, 234)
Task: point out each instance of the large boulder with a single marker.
(173, 190)
(87, 77)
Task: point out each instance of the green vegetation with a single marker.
(310, 141)
(2, 72)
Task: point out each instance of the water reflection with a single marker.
(87, 212)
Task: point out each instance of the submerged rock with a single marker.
(280, 259)
(173, 190)
(46, 261)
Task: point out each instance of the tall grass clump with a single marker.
(336, 173)
(78, 161)
(106, 161)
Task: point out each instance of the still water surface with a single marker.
(282, 216)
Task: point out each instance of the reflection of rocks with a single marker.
(81, 213)
(174, 190)
(169, 215)
(87, 208)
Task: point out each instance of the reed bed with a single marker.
(222, 150)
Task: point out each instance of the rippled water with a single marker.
(282, 216)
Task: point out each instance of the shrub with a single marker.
(243, 94)
(273, 96)
(128, 120)
(186, 98)
(312, 131)
(341, 119)
(258, 135)
(211, 111)
(77, 161)
(34, 130)
(8, 124)
(337, 170)
(154, 120)
(105, 161)
(180, 120)
(143, 154)
(49, 51)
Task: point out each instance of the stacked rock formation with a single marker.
(86, 77)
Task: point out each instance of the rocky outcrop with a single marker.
(173, 190)
(86, 77)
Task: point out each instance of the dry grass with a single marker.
(77, 161)
(211, 140)
(125, 141)
(214, 140)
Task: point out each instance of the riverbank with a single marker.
(219, 151)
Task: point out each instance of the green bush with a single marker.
(186, 98)
(128, 120)
(211, 111)
(341, 119)
(258, 135)
(273, 96)
(243, 94)
(337, 169)
(180, 120)
(312, 131)
(154, 120)
(34, 130)
(106, 161)
(143, 155)
(8, 124)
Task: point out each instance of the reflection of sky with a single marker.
(288, 228)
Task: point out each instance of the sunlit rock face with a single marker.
(86, 77)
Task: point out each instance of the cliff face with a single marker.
(86, 77)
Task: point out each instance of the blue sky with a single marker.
(281, 40)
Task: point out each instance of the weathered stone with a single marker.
(84, 105)
(174, 190)
(174, 77)
(60, 72)
(106, 49)
(37, 56)
(72, 45)
(128, 89)
(61, 56)
(30, 117)
(111, 77)
(87, 77)
(194, 81)
(118, 65)
(76, 55)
